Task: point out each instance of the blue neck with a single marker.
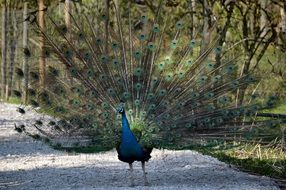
(125, 123)
(127, 134)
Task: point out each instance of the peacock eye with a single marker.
(138, 86)
(80, 35)
(126, 95)
(68, 54)
(250, 79)
(110, 91)
(114, 45)
(137, 102)
(210, 66)
(162, 92)
(156, 28)
(73, 72)
(138, 72)
(98, 41)
(174, 44)
(142, 37)
(192, 43)
(189, 62)
(137, 54)
(104, 105)
(152, 106)
(90, 106)
(203, 79)
(181, 74)
(150, 96)
(103, 16)
(144, 18)
(103, 59)
(144, 113)
(179, 25)
(47, 53)
(151, 46)
(217, 50)
(115, 62)
(105, 115)
(63, 29)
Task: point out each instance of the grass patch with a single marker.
(13, 100)
(281, 109)
(255, 158)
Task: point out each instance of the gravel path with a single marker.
(27, 164)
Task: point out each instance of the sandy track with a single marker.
(27, 164)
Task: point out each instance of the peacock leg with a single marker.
(144, 173)
(131, 175)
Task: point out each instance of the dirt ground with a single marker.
(28, 164)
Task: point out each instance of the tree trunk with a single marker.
(263, 16)
(245, 68)
(282, 41)
(107, 7)
(206, 26)
(13, 47)
(42, 61)
(67, 16)
(25, 65)
(256, 48)
(191, 18)
(222, 32)
(67, 11)
(4, 50)
(251, 22)
(222, 35)
(283, 18)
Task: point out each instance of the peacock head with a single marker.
(120, 107)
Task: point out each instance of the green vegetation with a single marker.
(281, 109)
(255, 158)
(13, 100)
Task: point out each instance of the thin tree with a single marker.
(4, 49)
(42, 61)
(191, 6)
(67, 16)
(107, 7)
(256, 47)
(263, 16)
(25, 65)
(12, 45)
(207, 25)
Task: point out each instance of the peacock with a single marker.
(129, 150)
(138, 82)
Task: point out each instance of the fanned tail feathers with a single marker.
(173, 93)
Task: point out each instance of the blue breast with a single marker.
(129, 149)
